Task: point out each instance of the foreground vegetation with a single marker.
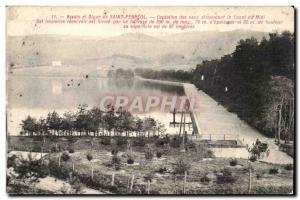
(120, 165)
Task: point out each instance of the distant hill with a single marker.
(127, 50)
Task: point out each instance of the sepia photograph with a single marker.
(173, 100)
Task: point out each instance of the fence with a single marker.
(219, 137)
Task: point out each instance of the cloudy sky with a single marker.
(22, 20)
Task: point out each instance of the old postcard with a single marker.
(150, 100)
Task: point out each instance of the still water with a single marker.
(38, 95)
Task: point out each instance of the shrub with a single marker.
(162, 170)
(182, 165)
(116, 162)
(105, 141)
(148, 153)
(139, 142)
(130, 159)
(175, 142)
(148, 177)
(71, 150)
(60, 172)
(65, 156)
(253, 158)
(226, 177)
(233, 162)
(158, 154)
(89, 156)
(205, 179)
(273, 171)
(11, 161)
(161, 142)
(31, 168)
(258, 176)
(289, 167)
(114, 151)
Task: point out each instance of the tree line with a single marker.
(91, 122)
(256, 81)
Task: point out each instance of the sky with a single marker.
(23, 20)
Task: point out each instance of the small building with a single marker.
(56, 63)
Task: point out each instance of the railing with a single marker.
(220, 137)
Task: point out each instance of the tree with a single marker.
(29, 125)
(139, 126)
(280, 115)
(160, 127)
(54, 121)
(68, 123)
(258, 150)
(149, 125)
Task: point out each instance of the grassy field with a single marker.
(156, 175)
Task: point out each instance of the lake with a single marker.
(36, 95)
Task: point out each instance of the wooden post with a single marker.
(42, 155)
(148, 188)
(174, 117)
(180, 123)
(73, 166)
(113, 179)
(59, 155)
(210, 137)
(184, 183)
(131, 185)
(92, 172)
(128, 183)
(250, 183)
(183, 136)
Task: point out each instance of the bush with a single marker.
(116, 162)
(233, 162)
(175, 142)
(11, 161)
(182, 165)
(162, 170)
(258, 176)
(159, 154)
(148, 177)
(71, 150)
(161, 142)
(289, 167)
(273, 171)
(148, 153)
(89, 156)
(139, 142)
(114, 151)
(60, 172)
(253, 158)
(65, 156)
(205, 179)
(31, 168)
(105, 141)
(130, 159)
(226, 177)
